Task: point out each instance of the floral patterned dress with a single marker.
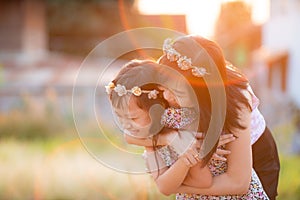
(256, 191)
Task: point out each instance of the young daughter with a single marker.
(133, 103)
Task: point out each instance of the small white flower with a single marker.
(184, 63)
(109, 88)
(120, 89)
(167, 44)
(153, 94)
(136, 91)
(172, 55)
(199, 71)
(168, 49)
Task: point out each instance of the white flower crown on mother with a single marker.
(183, 62)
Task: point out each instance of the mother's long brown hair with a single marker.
(208, 54)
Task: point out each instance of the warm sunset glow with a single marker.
(200, 14)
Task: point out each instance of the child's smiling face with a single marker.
(135, 120)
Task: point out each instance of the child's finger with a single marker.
(193, 159)
(192, 155)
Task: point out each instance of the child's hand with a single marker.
(191, 156)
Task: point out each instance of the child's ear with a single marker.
(155, 113)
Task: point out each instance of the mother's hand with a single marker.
(220, 152)
(226, 138)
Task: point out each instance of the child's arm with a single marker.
(170, 179)
(147, 142)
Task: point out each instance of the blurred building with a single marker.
(271, 48)
(236, 33)
(23, 28)
(280, 35)
(44, 42)
(74, 27)
(34, 29)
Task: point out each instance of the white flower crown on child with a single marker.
(136, 91)
(183, 62)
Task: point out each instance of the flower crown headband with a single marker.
(136, 91)
(183, 62)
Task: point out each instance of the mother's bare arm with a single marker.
(237, 178)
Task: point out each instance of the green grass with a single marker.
(61, 169)
(289, 180)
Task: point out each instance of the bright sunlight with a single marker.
(201, 15)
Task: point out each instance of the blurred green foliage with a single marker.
(61, 169)
(33, 120)
(289, 182)
(19, 125)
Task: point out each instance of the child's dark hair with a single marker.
(132, 75)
